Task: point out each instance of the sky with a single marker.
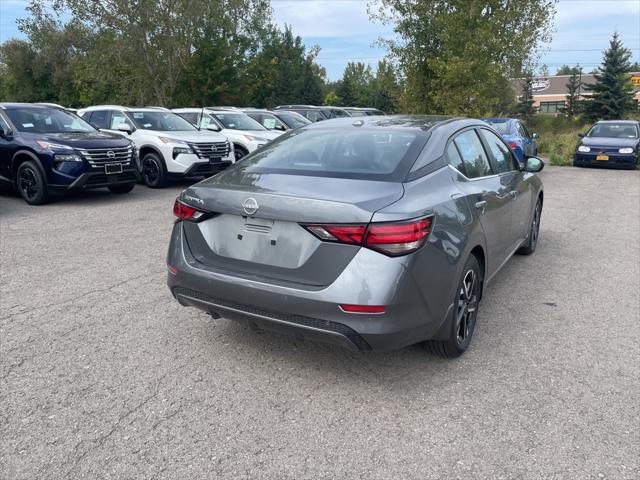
(345, 33)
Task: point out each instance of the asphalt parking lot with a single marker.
(104, 375)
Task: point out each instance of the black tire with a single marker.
(464, 315)
(576, 164)
(31, 183)
(534, 232)
(126, 188)
(239, 152)
(154, 172)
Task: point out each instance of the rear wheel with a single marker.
(121, 188)
(465, 312)
(534, 232)
(31, 183)
(154, 173)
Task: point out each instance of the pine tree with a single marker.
(612, 91)
(574, 86)
(525, 108)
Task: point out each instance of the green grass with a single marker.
(558, 137)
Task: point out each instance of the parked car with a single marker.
(362, 111)
(373, 234)
(243, 132)
(44, 150)
(169, 147)
(610, 143)
(310, 112)
(515, 133)
(281, 120)
(334, 112)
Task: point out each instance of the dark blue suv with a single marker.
(44, 149)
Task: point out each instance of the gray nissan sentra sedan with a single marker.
(371, 233)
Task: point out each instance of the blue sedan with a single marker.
(516, 135)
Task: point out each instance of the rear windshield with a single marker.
(614, 130)
(47, 120)
(503, 128)
(293, 120)
(367, 154)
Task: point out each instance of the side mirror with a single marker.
(581, 135)
(124, 127)
(213, 127)
(280, 127)
(534, 165)
(535, 136)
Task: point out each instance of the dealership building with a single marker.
(550, 92)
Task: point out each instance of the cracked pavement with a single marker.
(104, 375)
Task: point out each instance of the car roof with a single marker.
(404, 122)
(499, 120)
(124, 109)
(13, 105)
(629, 122)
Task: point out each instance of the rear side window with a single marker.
(99, 119)
(499, 151)
(454, 158)
(476, 163)
(361, 154)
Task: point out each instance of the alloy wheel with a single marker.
(467, 306)
(28, 182)
(150, 170)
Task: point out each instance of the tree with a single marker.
(574, 87)
(612, 91)
(525, 108)
(385, 88)
(332, 99)
(454, 55)
(567, 70)
(355, 88)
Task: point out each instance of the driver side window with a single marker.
(500, 152)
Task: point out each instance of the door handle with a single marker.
(481, 205)
(514, 193)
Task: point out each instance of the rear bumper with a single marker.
(99, 179)
(615, 160)
(310, 312)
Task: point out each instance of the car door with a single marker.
(485, 193)
(527, 141)
(513, 181)
(8, 147)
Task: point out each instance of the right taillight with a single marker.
(391, 238)
(399, 238)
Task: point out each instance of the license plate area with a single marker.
(602, 158)
(214, 160)
(111, 168)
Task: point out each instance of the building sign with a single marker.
(540, 84)
(635, 80)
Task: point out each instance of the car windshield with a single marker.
(363, 154)
(614, 130)
(161, 121)
(293, 120)
(238, 121)
(47, 120)
(503, 128)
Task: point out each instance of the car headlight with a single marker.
(181, 150)
(255, 139)
(584, 149)
(53, 146)
(67, 158)
(626, 150)
(173, 141)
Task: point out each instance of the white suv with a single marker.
(168, 146)
(243, 131)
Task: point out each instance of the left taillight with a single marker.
(512, 145)
(186, 212)
(391, 238)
